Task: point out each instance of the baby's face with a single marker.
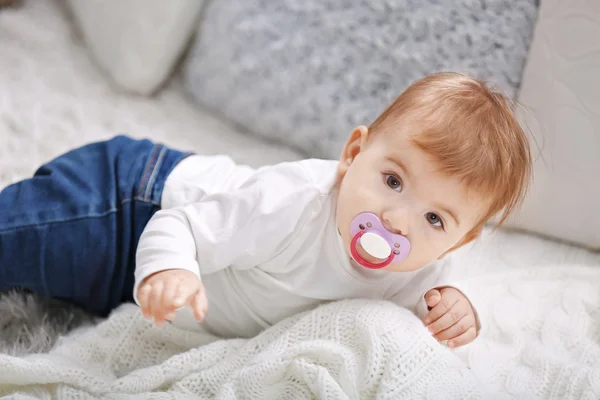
(392, 178)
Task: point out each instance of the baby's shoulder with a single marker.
(295, 184)
(319, 174)
(302, 188)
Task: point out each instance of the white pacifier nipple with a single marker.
(375, 245)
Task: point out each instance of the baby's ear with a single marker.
(354, 145)
(468, 238)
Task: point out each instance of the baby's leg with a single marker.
(71, 230)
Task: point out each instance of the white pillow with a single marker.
(137, 42)
(561, 88)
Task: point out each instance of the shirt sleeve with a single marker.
(241, 228)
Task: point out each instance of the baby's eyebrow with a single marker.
(400, 165)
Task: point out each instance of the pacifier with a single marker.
(368, 232)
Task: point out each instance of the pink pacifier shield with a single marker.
(368, 231)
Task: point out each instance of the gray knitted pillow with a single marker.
(307, 72)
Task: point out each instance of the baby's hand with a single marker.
(162, 293)
(451, 316)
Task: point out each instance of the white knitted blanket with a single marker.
(541, 341)
(346, 350)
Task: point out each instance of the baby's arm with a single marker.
(239, 229)
(167, 272)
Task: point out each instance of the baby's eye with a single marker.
(434, 220)
(393, 182)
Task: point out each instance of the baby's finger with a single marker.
(168, 295)
(457, 329)
(143, 296)
(466, 338)
(170, 316)
(450, 318)
(185, 290)
(200, 305)
(156, 306)
(432, 298)
(445, 304)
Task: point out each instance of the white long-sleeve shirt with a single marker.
(265, 244)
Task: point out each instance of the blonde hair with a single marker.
(471, 131)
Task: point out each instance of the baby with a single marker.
(259, 246)
(243, 248)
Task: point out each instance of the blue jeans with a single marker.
(71, 231)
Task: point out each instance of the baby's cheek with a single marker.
(411, 263)
(421, 256)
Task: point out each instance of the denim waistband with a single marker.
(160, 164)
